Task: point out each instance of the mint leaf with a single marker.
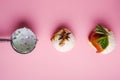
(103, 41)
(100, 30)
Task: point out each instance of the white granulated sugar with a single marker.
(23, 40)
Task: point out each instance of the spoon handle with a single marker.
(5, 40)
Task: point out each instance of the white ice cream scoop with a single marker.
(23, 40)
(63, 40)
(102, 39)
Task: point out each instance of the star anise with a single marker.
(64, 36)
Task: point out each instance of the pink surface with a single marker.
(45, 63)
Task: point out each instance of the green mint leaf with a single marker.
(103, 41)
(100, 30)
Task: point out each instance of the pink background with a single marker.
(44, 17)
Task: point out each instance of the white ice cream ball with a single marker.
(112, 43)
(23, 40)
(63, 40)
